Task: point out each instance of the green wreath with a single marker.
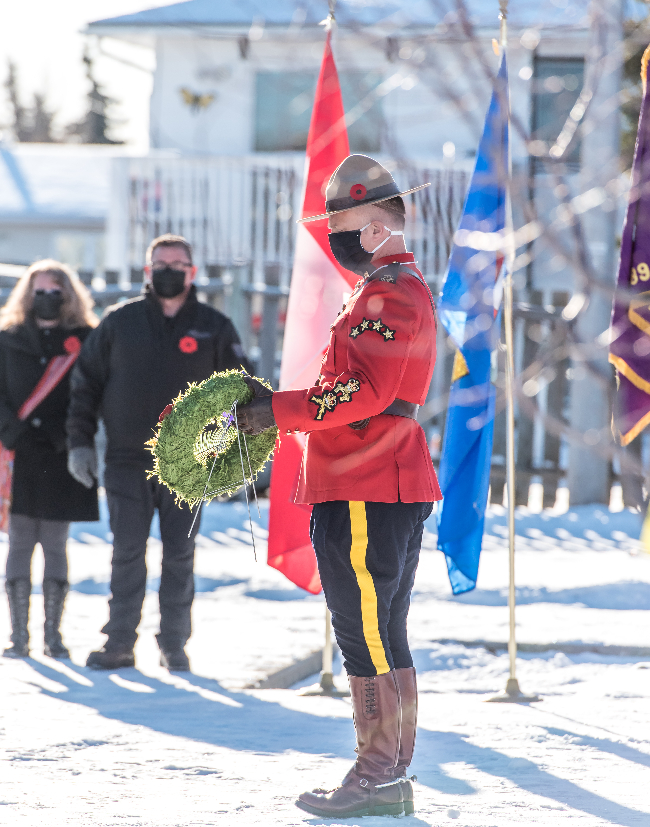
(198, 426)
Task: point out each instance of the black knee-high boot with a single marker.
(54, 592)
(18, 594)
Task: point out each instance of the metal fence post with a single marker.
(238, 301)
(269, 331)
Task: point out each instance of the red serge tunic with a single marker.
(382, 347)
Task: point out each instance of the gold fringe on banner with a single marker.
(644, 67)
(459, 368)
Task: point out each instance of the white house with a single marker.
(233, 87)
(237, 76)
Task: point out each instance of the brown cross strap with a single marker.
(394, 268)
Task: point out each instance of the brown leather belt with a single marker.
(398, 407)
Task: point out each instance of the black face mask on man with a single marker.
(168, 282)
(47, 304)
(347, 249)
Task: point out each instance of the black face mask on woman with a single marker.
(347, 250)
(47, 304)
(168, 282)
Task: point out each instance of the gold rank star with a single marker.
(365, 324)
(377, 325)
(388, 334)
(355, 332)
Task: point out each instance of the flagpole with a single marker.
(512, 693)
(326, 686)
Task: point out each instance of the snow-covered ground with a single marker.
(141, 747)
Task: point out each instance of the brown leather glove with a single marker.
(257, 416)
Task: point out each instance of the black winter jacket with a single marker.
(41, 486)
(136, 362)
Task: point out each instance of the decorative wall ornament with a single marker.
(195, 100)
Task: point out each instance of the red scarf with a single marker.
(56, 369)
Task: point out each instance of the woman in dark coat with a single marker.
(48, 314)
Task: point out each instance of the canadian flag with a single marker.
(318, 285)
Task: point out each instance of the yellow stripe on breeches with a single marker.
(369, 617)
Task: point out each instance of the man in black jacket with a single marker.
(140, 357)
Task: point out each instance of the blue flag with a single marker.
(469, 308)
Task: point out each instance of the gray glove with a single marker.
(82, 465)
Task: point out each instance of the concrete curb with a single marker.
(289, 675)
(311, 665)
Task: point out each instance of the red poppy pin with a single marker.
(188, 344)
(168, 410)
(358, 192)
(72, 344)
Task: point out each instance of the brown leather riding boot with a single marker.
(408, 693)
(370, 788)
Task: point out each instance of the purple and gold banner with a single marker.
(629, 350)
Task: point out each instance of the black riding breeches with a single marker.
(367, 556)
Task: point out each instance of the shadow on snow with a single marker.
(625, 595)
(240, 721)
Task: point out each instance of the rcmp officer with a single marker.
(367, 471)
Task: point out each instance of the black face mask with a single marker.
(168, 282)
(47, 306)
(347, 250)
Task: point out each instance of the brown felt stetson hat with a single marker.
(358, 181)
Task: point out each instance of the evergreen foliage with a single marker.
(94, 127)
(30, 124)
(34, 124)
(183, 447)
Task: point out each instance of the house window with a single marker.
(283, 105)
(557, 83)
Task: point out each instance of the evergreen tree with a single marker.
(41, 121)
(95, 125)
(19, 125)
(30, 124)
